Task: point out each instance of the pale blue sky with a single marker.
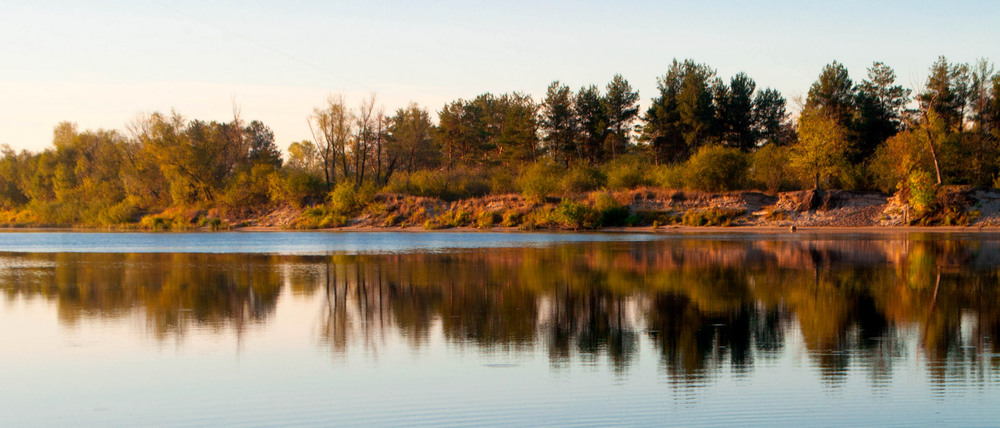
(100, 63)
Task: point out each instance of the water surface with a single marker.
(492, 329)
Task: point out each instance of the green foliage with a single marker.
(486, 219)
(668, 176)
(454, 218)
(249, 190)
(582, 178)
(502, 182)
(701, 132)
(627, 172)
(118, 214)
(446, 185)
(320, 217)
(511, 218)
(710, 217)
(345, 200)
(296, 188)
(769, 168)
(898, 157)
(656, 218)
(432, 225)
(538, 180)
(715, 169)
(559, 124)
(577, 215)
(174, 219)
(923, 192)
(610, 211)
(488, 131)
(821, 152)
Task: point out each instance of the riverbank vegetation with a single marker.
(573, 159)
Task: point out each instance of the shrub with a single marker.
(344, 199)
(710, 217)
(610, 212)
(923, 192)
(774, 215)
(716, 169)
(432, 225)
(485, 219)
(216, 223)
(117, 214)
(391, 220)
(577, 215)
(455, 218)
(582, 178)
(167, 220)
(628, 172)
(451, 185)
(540, 180)
(320, 217)
(657, 218)
(668, 176)
(769, 168)
(502, 182)
(511, 218)
(296, 188)
(248, 190)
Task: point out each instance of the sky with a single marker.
(101, 63)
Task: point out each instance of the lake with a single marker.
(385, 329)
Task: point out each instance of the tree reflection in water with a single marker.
(706, 304)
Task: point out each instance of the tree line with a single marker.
(700, 131)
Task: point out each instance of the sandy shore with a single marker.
(775, 230)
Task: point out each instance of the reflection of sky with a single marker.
(287, 242)
(97, 372)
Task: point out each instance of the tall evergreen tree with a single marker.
(770, 117)
(880, 106)
(590, 113)
(833, 94)
(559, 124)
(681, 117)
(736, 113)
(621, 105)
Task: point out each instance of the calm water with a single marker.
(498, 329)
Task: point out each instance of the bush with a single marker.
(511, 218)
(447, 185)
(716, 169)
(247, 191)
(296, 188)
(923, 192)
(120, 213)
(610, 212)
(167, 220)
(320, 217)
(769, 168)
(540, 180)
(710, 217)
(668, 176)
(582, 178)
(502, 181)
(627, 172)
(485, 219)
(456, 218)
(657, 218)
(432, 225)
(344, 199)
(577, 215)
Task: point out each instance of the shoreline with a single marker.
(662, 230)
